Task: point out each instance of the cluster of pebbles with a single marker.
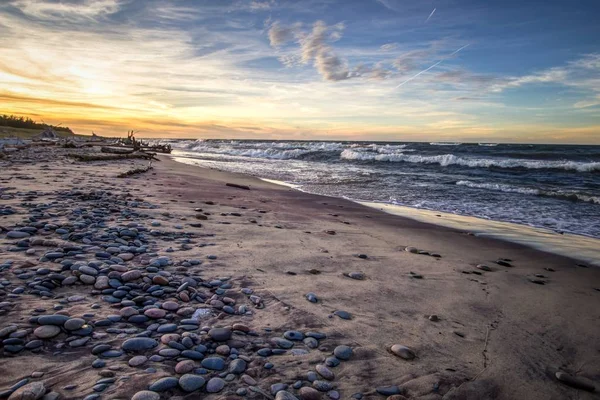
(103, 291)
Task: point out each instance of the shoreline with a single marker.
(586, 248)
(247, 259)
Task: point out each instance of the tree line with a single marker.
(27, 123)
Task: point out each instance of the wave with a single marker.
(450, 159)
(488, 144)
(445, 144)
(266, 150)
(500, 187)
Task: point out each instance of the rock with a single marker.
(277, 387)
(190, 382)
(356, 275)
(185, 366)
(164, 384)
(215, 385)
(160, 280)
(146, 395)
(343, 314)
(342, 352)
(282, 343)
(325, 372)
(213, 363)
(31, 391)
(155, 313)
(56, 319)
(484, 267)
(411, 249)
(139, 344)
(402, 352)
(574, 381)
(388, 390)
(74, 324)
(308, 393)
(17, 235)
(283, 395)
(46, 331)
(137, 361)
(322, 386)
(312, 297)
(434, 318)
(131, 275)
(237, 366)
(293, 335)
(220, 334)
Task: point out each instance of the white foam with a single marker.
(450, 159)
(499, 187)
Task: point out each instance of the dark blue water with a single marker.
(549, 186)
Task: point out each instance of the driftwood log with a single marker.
(113, 157)
(134, 171)
(116, 150)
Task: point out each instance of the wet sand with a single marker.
(499, 334)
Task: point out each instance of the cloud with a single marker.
(314, 48)
(60, 10)
(581, 75)
(388, 47)
(257, 5)
(280, 35)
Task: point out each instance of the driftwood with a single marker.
(134, 171)
(113, 157)
(235, 185)
(116, 150)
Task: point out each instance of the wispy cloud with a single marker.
(430, 15)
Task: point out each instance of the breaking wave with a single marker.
(499, 187)
(450, 159)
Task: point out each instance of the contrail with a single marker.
(434, 65)
(430, 15)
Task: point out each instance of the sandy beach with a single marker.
(137, 257)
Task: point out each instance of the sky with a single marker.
(406, 70)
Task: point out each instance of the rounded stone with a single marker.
(402, 352)
(214, 363)
(32, 391)
(325, 372)
(283, 395)
(46, 331)
(343, 352)
(164, 384)
(220, 334)
(191, 382)
(146, 395)
(185, 366)
(293, 335)
(137, 361)
(155, 313)
(139, 344)
(74, 323)
(215, 385)
(308, 393)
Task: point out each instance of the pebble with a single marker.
(283, 395)
(308, 393)
(139, 344)
(574, 381)
(46, 331)
(402, 352)
(325, 372)
(31, 391)
(220, 334)
(343, 314)
(137, 361)
(215, 385)
(190, 382)
(388, 390)
(164, 384)
(146, 395)
(343, 352)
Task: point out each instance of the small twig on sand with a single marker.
(135, 171)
